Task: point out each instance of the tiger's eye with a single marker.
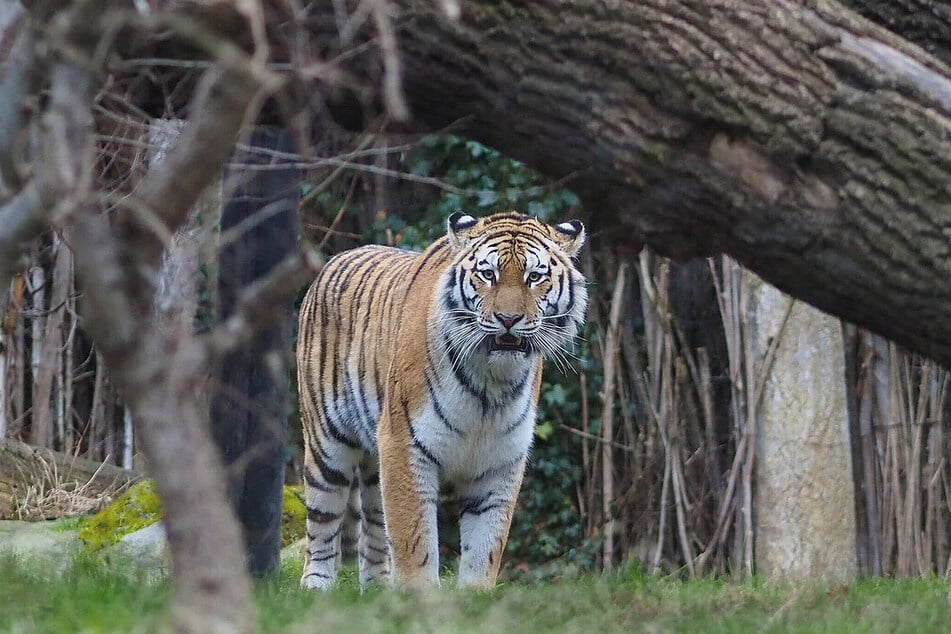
(488, 275)
(534, 276)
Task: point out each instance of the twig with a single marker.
(339, 216)
(256, 304)
(607, 415)
(392, 74)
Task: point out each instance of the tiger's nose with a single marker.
(508, 319)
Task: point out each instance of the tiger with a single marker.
(417, 369)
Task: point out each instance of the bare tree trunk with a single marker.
(97, 414)
(161, 379)
(51, 350)
(128, 434)
(805, 517)
(38, 432)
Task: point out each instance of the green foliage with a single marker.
(480, 181)
(99, 595)
(90, 595)
(293, 515)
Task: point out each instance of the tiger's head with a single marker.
(512, 287)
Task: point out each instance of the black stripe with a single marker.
(377, 549)
(509, 216)
(561, 289)
(479, 505)
(513, 389)
(436, 407)
(438, 247)
(317, 574)
(311, 480)
(462, 378)
(329, 539)
(507, 468)
(374, 521)
(371, 480)
(352, 267)
(360, 404)
(521, 418)
(371, 299)
(416, 441)
(330, 475)
(321, 517)
(466, 301)
(426, 452)
(333, 430)
(356, 404)
(372, 560)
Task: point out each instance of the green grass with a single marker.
(95, 595)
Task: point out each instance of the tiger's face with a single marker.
(512, 288)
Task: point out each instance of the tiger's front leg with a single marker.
(487, 504)
(409, 482)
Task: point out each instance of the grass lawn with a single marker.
(94, 595)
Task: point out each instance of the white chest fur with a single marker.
(481, 419)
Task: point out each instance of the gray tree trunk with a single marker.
(804, 512)
(259, 229)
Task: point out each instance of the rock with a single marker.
(147, 548)
(294, 551)
(47, 541)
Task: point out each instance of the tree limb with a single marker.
(255, 306)
(806, 142)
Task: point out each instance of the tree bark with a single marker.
(925, 23)
(804, 517)
(259, 228)
(804, 141)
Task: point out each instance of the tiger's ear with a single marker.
(570, 236)
(458, 227)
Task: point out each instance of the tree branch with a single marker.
(257, 305)
(18, 79)
(802, 140)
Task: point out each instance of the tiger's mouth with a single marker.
(508, 343)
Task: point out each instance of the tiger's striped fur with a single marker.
(419, 368)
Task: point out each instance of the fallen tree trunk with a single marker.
(803, 140)
(23, 466)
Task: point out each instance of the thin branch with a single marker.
(19, 80)
(257, 304)
(392, 73)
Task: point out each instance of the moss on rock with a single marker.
(294, 515)
(140, 506)
(135, 509)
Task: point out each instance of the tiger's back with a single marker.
(421, 368)
(346, 318)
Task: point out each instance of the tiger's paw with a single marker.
(316, 581)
